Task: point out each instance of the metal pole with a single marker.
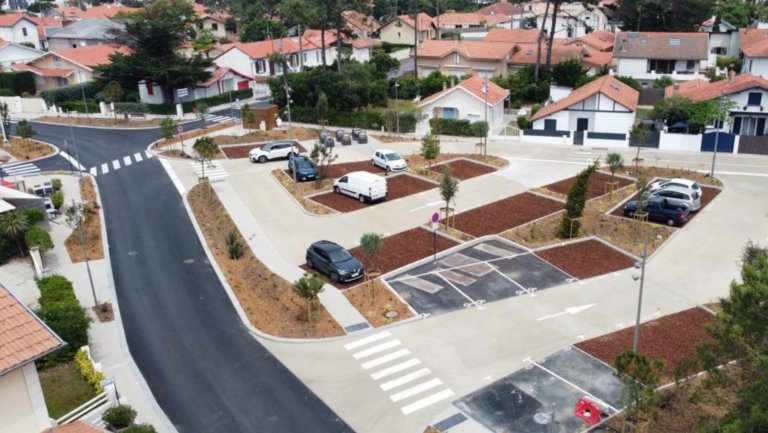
(717, 133)
(2, 127)
(636, 339)
(82, 89)
(397, 108)
(487, 127)
(71, 167)
(231, 107)
(79, 215)
(434, 242)
(288, 102)
(74, 145)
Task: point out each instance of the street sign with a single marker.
(182, 92)
(181, 129)
(435, 219)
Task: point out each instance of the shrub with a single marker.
(71, 93)
(574, 205)
(729, 63)
(516, 104)
(629, 81)
(36, 236)
(18, 82)
(80, 106)
(6, 92)
(535, 108)
(57, 199)
(70, 322)
(663, 82)
(133, 108)
(56, 183)
(34, 214)
(460, 127)
(55, 289)
(140, 428)
(90, 375)
(119, 417)
(522, 122)
(6, 250)
(234, 245)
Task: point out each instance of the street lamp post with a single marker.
(397, 109)
(82, 90)
(641, 265)
(2, 128)
(717, 131)
(78, 210)
(485, 105)
(288, 104)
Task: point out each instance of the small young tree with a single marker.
(449, 187)
(615, 162)
(202, 110)
(25, 131)
(206, 149)
(308, 287)
(248, 117)
(234, 245)
(321, 156)
(430, 148)
(322, 106)
(639, 133)
(13, 225)
(119, 417)
(574, 204)
(168, 128)
(57, 199)
(640, 377)
(371, 244)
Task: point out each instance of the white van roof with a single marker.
(366, 175)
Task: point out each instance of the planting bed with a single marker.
(597, 185)
(398, 186)
(708, 195)
(505, 214)
(463, 169)
(335, 171)
(241, 151)
(374, 300)
(672, 338)
(586, 259)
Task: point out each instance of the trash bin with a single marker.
(356, 132)
(339, 134)
(329, 142)
(362, 137)
(346, 140)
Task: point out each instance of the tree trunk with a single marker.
(555, 8)
(309, 311)
(338, 42)
(542, 32)
(322, 43)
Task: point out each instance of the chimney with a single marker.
(731, 75)
(675, 89)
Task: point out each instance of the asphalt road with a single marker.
(205, 370)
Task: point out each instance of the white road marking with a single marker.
(568, 310)
(402, 380)
(127, 161)
(385, 359)
(434, 203)
(93, 171)
(366, 340)
(376, 349)
(410, 392)
(149, 155)
(104, 168)
(175, 179)
(457, 289)
(72, 160)
(395, 369)
(116, 164)
(536, 364)
(428, 401)
(137, 156)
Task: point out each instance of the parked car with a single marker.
(361, 185)
(680, 196)
(659, 209)
(388, 160)
(335, 261)
(273, 150)
(683, 183)
(305, 169)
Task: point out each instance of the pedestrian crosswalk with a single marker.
(211, 118)
(398, 373)
(117, 164)
(19, 168)
(212, 170)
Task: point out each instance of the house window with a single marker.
(690, 65)
(550, 124)
(721, 51)
(56, 62)
(304, 57)
(754, 98)
(570, 31)
(150, 89)
(661, 66)
(317, 56)
(261, 67)
(456, 58)
(214, 27)
(24, 31)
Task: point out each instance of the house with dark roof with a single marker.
(402, 29)
(646, 56)
(599, 113)
(753, 44)
(24, 338)
(474, 99)
(83, 33)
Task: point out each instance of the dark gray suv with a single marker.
(335, 261)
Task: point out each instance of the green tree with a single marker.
(663, 82)
(25, 130)
(113, 92)
(430, 148)
(35, 236)
(168, 128)
(248, 117)
(308, 288)
(202, 109)
(706, 112)
(13, 225)
(322, 106)
(5, 117)
(206, 148)
(672, 109)
(260, 29)
(140, 428)
(57, 199)
(568, 73)
(737, 13)
(321, 156)
(371, 244)
(55, 289)
(629, 81)
(570, 224)
(639, 133)
(449, 187)
(204, 42)
(615, 162)
(664, 15)
(119, 417)
(640, 377)
(384, 63)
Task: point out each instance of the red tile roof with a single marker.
(90, 56)
(525, 54)
(45, 23)
(500, 8)
(468, 18)
(23, 336)
(101, 11)
(10, 20)
(360, 21)
(74, 427)
(364, 42)
(701, 90)
(602, 40)
(44, 72)
(217, 75)
(596, 58)
(262, 49)
(472, 50)
(661, 45)
(606, 85)
(521, 36)
(425, 21)
(754, 42)
(473, 85)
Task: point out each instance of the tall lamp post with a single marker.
(397, 109)
(485, 106)
(82, 90)
(78, 214)
(641, 277)
(719, 124)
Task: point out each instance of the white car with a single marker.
(388, 160)
(680, 183)
(273, 150)
(362, 185)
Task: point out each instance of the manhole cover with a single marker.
(391, 314)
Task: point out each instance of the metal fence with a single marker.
(649, 96)
(755, 145)
(546, 132)
(606, 136)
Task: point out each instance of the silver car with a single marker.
(677, 195)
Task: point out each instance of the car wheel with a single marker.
(389, 169)
(310, 265)
(670, 222)
(361, 198)
(334, 277)
(336, 190)
(631, 214)
(262, 159)
(373, 163)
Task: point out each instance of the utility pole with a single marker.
(721, 120)
(636, 338)
(74, 145)
(415, 6)
(78, 209)
(397, 108)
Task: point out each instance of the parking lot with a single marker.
(484, 271)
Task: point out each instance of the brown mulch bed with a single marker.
(374, 305)
(598, 185)
(267, 299)
(652, 172)
(505, 214)
(296, 133)
(27, 149)
(301, 190)
(586, 259)
(235, 152)
(100, 121)
(463, 169)
(421, 167)
(672, 338)
(708, 194)
(335, 171)
(91, 227)
(397, 187)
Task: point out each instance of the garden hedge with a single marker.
(19, 82)
(460, 127)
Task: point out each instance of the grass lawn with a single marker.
(64, 389)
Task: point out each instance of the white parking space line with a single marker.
(385, 359)
(459, 267)
(127, 161)
(104, 168)
(572, 385)
(116, 164)
(137, 156)
(523, 289)
(402, 380)
(376, 349)
(410, 392)
(428, 401)
(367, 340)
(395, 369)
(93, 171)
(457, 289)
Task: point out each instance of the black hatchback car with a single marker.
(335, 261)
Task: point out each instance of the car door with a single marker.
(344, 186)
(281, 150)
(378, 159)
(319, 259)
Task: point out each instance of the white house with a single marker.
(402, 29)
(19, 29)
(470, 25)
(24, 338)
(573, 19)
(646, 56)
(467, 100)
(723, 39)
(600, 112)
(753, 44)
(222, 81)
(11, 54)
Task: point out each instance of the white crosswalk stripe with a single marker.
(94, 171)
(104, 168)
(127, 161)
(409, 381)
(212, 170)
(217, 119)
(19, 168)
(116, 164)
(137, 156)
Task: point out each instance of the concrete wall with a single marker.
(680, 142)
(757, 66)
(22, 406)
(614, 144)
(17, 104)
(546, 140)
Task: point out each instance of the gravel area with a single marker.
(505, 214)
(463, 169)
(398, 186)
(586, 259)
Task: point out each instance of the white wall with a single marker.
(468, 107)
(157, 96)
(546, 140)
(575, 115)
(741, 98)
(680, 142)
(593, 142)
(615, 123)
(12, 54)
(16, 33)
(557, 93)
(361, 54)
(757, 66)
(22, 407)
(562, 118)
(631, 66)
(237, 60)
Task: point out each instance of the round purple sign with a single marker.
(435, 217)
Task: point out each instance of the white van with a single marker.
(361, 185)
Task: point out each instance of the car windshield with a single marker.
(303, 163)
(339, 255)
(392, 156)
(266, 146)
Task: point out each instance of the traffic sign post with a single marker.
(435, 221)
(181, 135)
